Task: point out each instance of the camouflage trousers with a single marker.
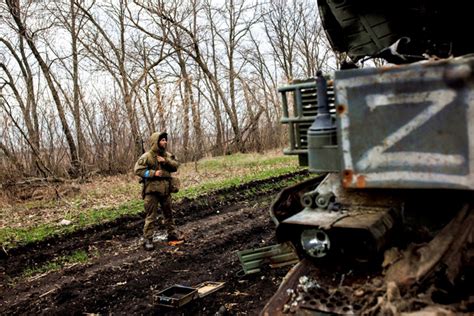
(152, 201)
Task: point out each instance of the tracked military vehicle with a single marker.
(392, 151)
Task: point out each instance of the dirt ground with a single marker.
(123, 278)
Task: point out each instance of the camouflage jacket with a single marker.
(148, 163)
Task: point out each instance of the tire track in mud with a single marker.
(34, 254)
(125, 278)
(96, 290)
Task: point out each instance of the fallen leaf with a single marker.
(238, 293)
(65, 222)
(359, 292)
(175, 242)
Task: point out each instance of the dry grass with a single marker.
(48, 207)
(53, 204)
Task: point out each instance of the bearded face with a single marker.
(162, 143)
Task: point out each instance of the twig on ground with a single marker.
(144, 260)
(49, 292)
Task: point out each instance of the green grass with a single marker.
(10, 237)
(79, 256)
(250, 167)
(245, 161)
(209, 186)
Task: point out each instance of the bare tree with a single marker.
(263, 69)
(201, 69)
(15, 12)
(281, 24)
(114, 57)
(191, 46)
(238, 18)
(160, 100)
(312, 48)
(190, 106)
(214, 96)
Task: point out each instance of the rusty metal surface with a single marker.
(407, 126)
(299, 295)
(356, 219)
(327, 288)
(287, 202)
(364, 218)
(359, 209)
(275, 304)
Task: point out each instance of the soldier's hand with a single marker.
(161, 159)
(158, 173)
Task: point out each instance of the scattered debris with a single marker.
(55, 288)
(238, 293)
(447, 249)
(144, 260)
(175, 242)
(417, 281)
(274, 256)
(178, 295)
(310, 295)
(208, 287)
(65, 222)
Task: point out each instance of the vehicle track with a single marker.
(124, 278)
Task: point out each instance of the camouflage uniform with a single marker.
(156, 190)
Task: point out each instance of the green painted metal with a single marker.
(300, 106)
(275, 256)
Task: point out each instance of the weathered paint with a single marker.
(407, 127)
(341, 109)
(361, 182)
(347, 178)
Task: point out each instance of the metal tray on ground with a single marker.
(176, 296)
(208, 287)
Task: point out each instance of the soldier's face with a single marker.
(162, 143)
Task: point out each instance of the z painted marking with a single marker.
(377, 156)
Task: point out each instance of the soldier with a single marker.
(155, 167)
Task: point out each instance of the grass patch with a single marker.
(211, 185)
(79, 256)
(244, 161)
(14, 236)
(107, 199)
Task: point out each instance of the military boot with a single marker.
(148, 244)
(175, 236)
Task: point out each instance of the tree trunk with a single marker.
(76, 89)
(14, 9)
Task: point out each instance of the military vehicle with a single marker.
(392, 150)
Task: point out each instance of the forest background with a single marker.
(84, 83)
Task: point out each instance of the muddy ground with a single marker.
(122, 278)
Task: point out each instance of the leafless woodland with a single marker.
(84, 83)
